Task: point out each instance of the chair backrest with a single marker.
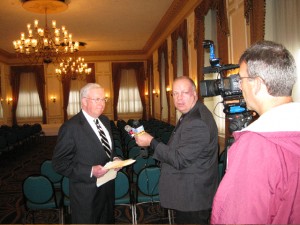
(3, 143)
(148, 179)
(122, 187)
(48, 171)
(134, 152)
(131, 144)
(38, 189)
(119, 151)
(65, 186)
(141, 163)
(166, 136)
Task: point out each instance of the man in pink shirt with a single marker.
(262, 180)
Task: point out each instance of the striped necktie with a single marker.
(104, 140)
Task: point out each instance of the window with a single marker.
(129, 96)
(74, 105)
(164, 101)
(29, 105)
(179, 57)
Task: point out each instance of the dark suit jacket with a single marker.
(189, 162)
(78, 149)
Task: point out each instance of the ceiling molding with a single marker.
(175, 15)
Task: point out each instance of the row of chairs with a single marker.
(144, 160)
(50, 191)
(47, 190)
(19, 136)
(145, 192)
(141, 179)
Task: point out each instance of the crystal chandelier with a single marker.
(73, 68)
(48, 44)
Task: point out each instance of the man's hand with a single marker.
(117, 159)
(99, 171)
(143, 140)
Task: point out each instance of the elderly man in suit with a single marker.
(80, 155)
(189, 162)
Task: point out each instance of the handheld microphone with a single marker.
(137, 129)
(129, 129)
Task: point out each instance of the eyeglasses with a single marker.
(98, 100)
(240, 79)
(182, 93)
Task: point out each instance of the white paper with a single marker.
(112, 173)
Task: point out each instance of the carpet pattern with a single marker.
(17, 164)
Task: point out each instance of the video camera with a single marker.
(228, 87)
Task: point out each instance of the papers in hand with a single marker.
(112, 173)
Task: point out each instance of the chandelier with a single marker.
(48, 44)
(73, 69)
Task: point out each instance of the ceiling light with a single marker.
(72, 68)
(48, 44)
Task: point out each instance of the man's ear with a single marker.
(258, 85)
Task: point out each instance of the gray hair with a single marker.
(274, 64)
(84, 91)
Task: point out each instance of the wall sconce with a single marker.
(53, 99)
(146, 93)
(155, 93)
(169, 91)
(9, 100)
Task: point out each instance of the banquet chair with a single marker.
(39, 194)
(65, 197)
(123, 194)
(48, 171)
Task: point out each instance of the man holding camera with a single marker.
(262, 181)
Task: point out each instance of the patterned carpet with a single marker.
(17, 164)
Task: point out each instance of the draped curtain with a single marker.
(40, 85)
(150, 85)
(15, 84)
(66, 87)
(255, 17)
(282, 26)
(140, 79)
(116, 80)
(181, 31)
(148, 77)
(163, 50)
(199, 30)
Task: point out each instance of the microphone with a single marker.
(129, 129)
(137, 129)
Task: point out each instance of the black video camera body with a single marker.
(228, 88)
